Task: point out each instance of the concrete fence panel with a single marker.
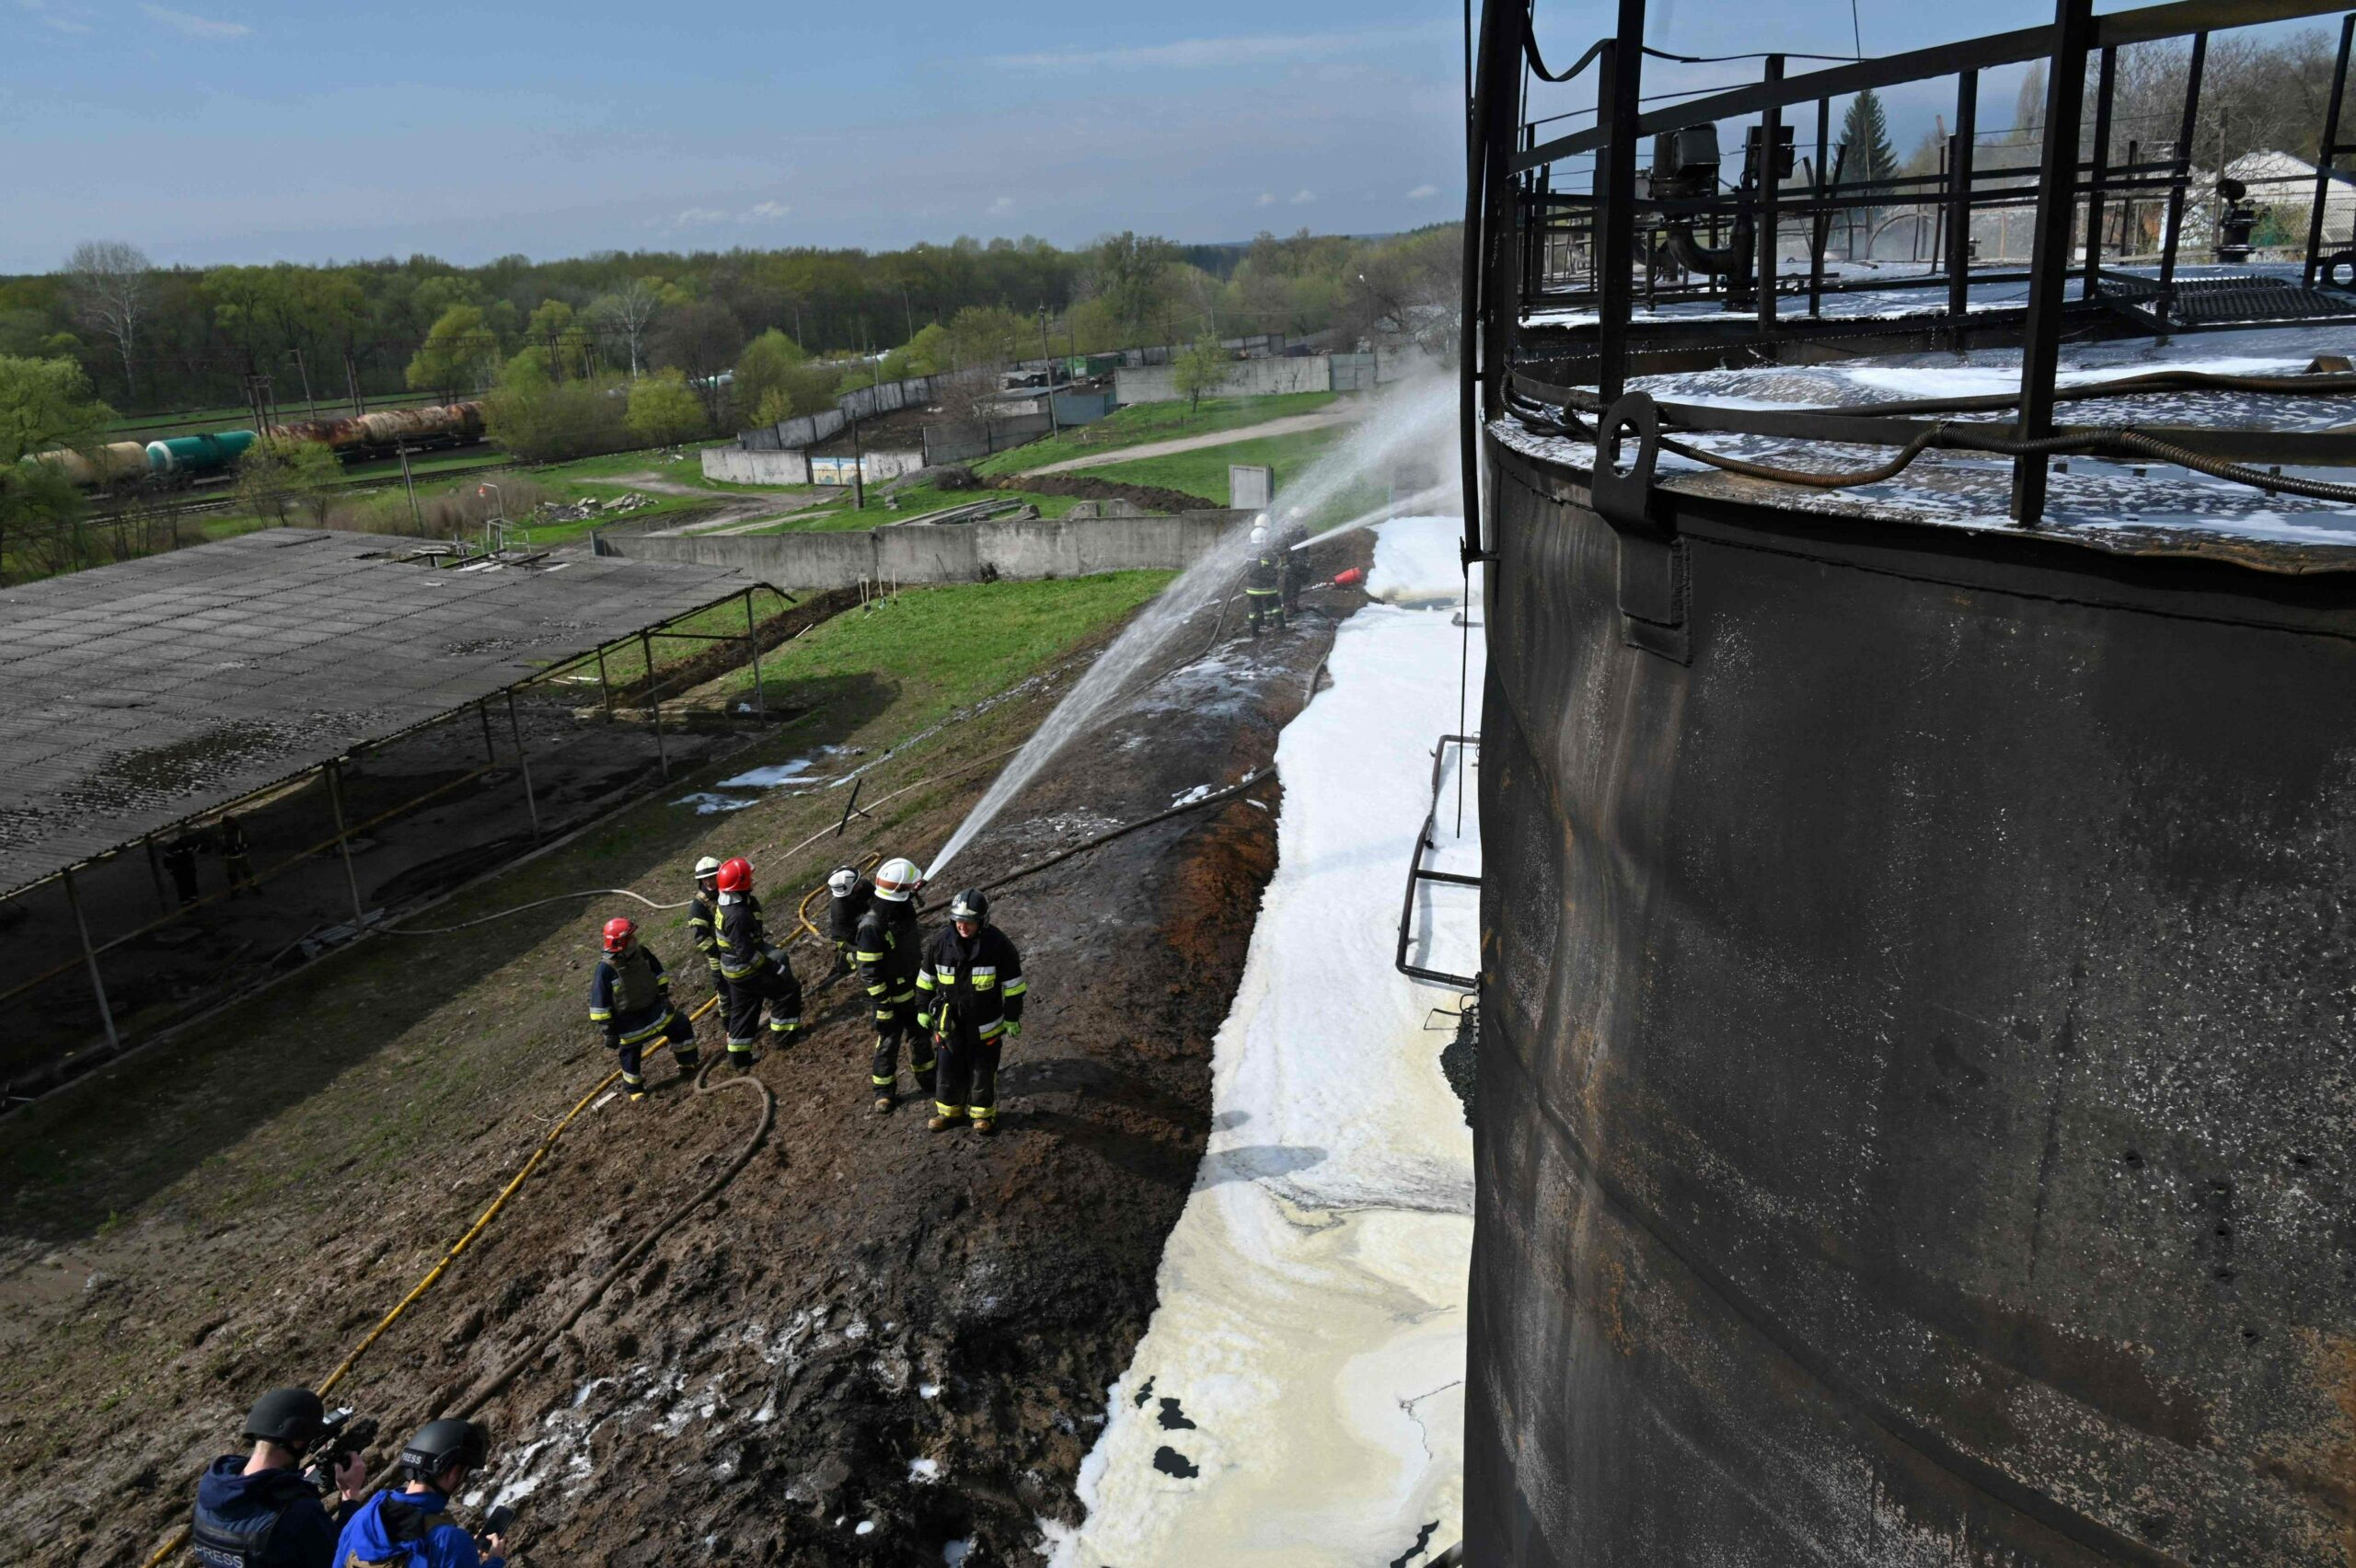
(737, 466)
(1243, 378)
(1026, 549)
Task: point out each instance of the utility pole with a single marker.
(414, 516)
(305, 371)
(351, 380)
(1049, 355)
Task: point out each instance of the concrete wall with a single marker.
(966, 440)
(872, 466)
(954, 552)
(737, 466)
(1244, 378)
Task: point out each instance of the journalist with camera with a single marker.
(412, 1527)
(264, 1510)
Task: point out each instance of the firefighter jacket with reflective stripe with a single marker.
(887, 946)
(975, 984)
(744, 939)
(843, 914)
(630, 989)
(703, 928)
(1267, 574)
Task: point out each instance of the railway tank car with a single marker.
(1917, 981)
(186, 459)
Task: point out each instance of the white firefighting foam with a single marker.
(1298, 1395)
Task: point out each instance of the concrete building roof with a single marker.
(145, 694)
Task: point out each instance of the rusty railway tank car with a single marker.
(1916, 1118)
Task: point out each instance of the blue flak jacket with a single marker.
(235, 1504)
(413, 1529)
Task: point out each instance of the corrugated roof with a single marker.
(140, 695)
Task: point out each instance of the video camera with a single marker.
(341, 1435)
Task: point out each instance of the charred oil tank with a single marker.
(1918, 1073)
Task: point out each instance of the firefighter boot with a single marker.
(884, 1100)
(948, 1116)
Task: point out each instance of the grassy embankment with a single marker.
(1141, 423)
(338, 1094)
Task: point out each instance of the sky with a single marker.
(246, 131)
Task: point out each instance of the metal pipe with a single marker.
(752, 632)
(2324, 153)
(605, 687)
(155, 873)
(2180, 173)
(482, 710)
(515, 727)
(1822, 227)
(1959, 167)
(1771, 164)
(2065, 92)
(2106, 85)
(1620, 86)
(91, 957)
(343, 839)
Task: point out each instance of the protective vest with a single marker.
(1266, 575)
(217, 1542)
(703, 928)
(888, 947)
(636, 988)
(974, 984)
(744, 939)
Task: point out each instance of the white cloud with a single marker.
(689, 218)
(191, 24)
(1422, 191)
(1265, 199)
(763, 213)
(1200, 54)
(51, 19)
(1003, 204)
(1302, 197)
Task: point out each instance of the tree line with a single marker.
(150, 338)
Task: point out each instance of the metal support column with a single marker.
(1771, 164)
(2099, 172)
(752, 637)
(2048, 282)
(343, 838)
(2330, 145)
(1821, 225)
(605, 687)
(2181, 174)
(91, 957)
(524, 763)
(490, 754)
(155, 874)
(654, 700)
(1959, 165)
(1620, 85)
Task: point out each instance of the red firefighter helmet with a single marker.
(621, 931)
(736, 875)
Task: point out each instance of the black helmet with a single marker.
(441, 1443)
(292, 1418)
(970, 904)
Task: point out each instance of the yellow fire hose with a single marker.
(458, 1247)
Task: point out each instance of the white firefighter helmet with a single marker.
(1259, 532)
(1260, 520)
(842, 881)
(706, 869)
(896, 879)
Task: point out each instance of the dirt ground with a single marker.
(875, 1342)
(1155, 499)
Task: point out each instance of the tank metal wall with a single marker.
(1918, 1068)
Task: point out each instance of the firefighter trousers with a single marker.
(896, 1017)
(968, 1074)
(1265, 602)
(768, 987)
(631, 1043)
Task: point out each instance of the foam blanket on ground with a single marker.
(1297, 1398)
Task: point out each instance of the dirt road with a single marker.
(730, 508)
(1292, 424)
(877, 1341)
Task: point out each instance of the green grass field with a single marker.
(1142, 422)
(1203, 472)
(915, 502)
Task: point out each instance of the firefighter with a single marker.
(629, 999)
(758, 974)
(971, 987)
(180, 860)
(1263, 582)
(889, 945)
(850, 894)
(1293, 560)
(703, 924)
